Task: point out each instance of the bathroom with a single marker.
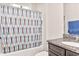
(51, 26)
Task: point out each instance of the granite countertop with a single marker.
(59, 41)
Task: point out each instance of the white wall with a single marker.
(52, 21)
(71, 13)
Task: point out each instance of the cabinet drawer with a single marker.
(70, 53)
(57, 50)
(51, 54)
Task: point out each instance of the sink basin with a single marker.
(75, 44)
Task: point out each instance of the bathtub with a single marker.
(42, 53)
(25, 52)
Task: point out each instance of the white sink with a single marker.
(75, 44)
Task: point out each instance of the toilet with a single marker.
(43, 53)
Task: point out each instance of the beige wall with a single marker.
(71, 13)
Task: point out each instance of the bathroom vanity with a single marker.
(57, 48)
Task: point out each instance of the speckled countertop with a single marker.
(59, 41)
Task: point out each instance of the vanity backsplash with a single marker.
(71, 37)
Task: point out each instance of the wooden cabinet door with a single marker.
(70, 53)
(51, 54)
(57, 50)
